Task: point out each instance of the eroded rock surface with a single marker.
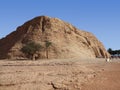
(67, 40)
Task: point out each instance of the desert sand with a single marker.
(60, 74)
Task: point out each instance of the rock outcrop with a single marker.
(67, 41)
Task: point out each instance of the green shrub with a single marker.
(30, 49)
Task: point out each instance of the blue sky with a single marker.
(101, 17)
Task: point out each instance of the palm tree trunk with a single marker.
(47, 53)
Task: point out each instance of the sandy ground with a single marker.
(60, 74)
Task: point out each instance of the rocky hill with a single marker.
(67, 41)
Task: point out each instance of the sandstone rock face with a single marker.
(67, 40)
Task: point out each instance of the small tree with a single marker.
(110, 51)
(47, 45)
(30, 49)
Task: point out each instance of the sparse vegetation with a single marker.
(30, 49)
(114, 52)
(47, 45)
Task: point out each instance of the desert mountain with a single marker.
(67, 41)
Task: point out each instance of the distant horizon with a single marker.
(101, 18)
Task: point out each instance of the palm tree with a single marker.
(47, 45)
